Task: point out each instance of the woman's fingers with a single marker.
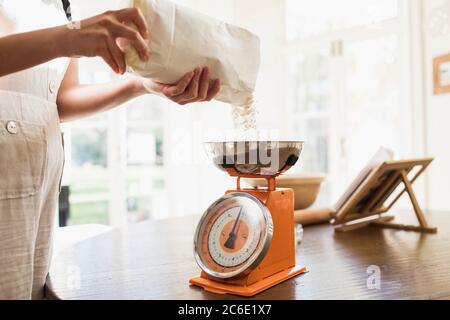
(117, 55)
(180, 87)
(204, 84)
(120, 30)
(194, 86)
(135, 16)
(191, 92)
(213, 90)
(200, 84)
(107, 57)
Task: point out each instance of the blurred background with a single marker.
(346, 76)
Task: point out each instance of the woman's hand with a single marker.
(76, 101)
(98, 36)
(195, 86)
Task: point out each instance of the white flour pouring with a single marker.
(245, 120)
(183, 39)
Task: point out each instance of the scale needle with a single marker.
(232, 236)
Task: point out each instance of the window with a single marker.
(116, 159)
(89, 190)
(145, 180)
(312, 18)
(346, 89)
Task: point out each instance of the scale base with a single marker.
(251, 290)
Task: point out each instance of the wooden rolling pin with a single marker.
(313, 216)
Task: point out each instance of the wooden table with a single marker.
(154, 260)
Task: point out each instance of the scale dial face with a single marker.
(233, 235)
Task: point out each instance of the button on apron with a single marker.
(11, 127)
(51, 87)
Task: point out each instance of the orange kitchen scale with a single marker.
(245, 242)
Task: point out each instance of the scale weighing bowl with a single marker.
(254, 158)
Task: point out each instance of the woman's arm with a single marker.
(76, 101)
(96, 37)
(26, 50)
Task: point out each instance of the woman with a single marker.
(39, 87)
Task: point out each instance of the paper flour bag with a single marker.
(182, 39)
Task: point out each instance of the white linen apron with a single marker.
(31, 157)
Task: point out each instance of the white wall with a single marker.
(437, 110)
